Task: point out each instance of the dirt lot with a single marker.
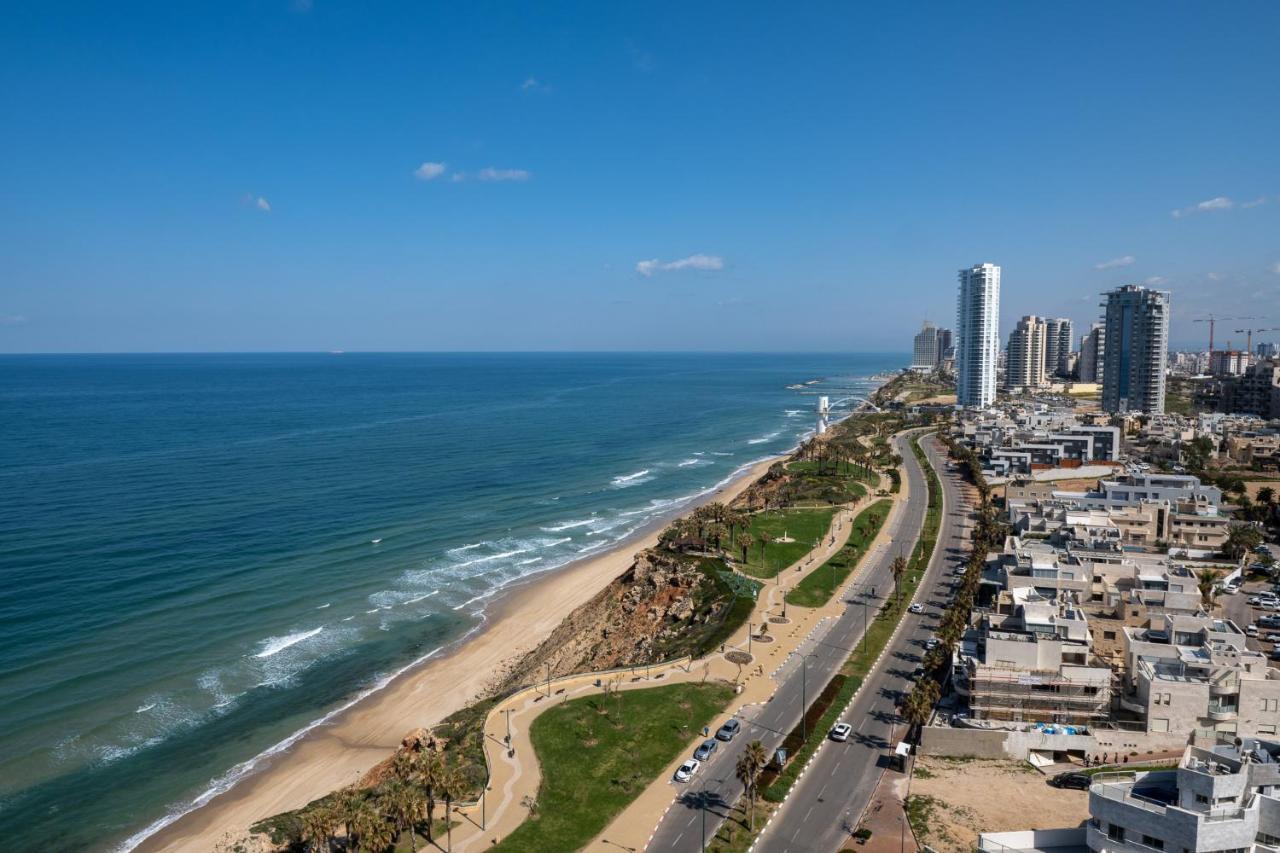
(952, 800)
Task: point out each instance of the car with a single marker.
(1270, 620)
(916, 607)
(960, 570)
(840, 732)
(931, 643)
(1261, 549)
(1072, 781)
(728, 730)
(1275, 653)
(1272, 637)
(1251, 631)
(685, 771)
(1255, 600)
(919, 673)
(703, 752)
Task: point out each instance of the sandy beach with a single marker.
(341, 751)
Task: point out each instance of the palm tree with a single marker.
(750, 763)
(1240, 539)
(765, 539)
(899, 570)
(452, 786)
(372, 830)
(1207, 583)
(318, 824)
(920, 702)
(402, 801)
(429, 776)
(745, 541)
(1266, 495)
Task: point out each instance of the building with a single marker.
(946, 348)
(1092, 348)
(1025, 366)
(1225, 798)
(1057, 347)
(1255, 392)
(924, 352)
(1196, 674)
(1137, 330)
(1267, 350)
(1034, 665)
(1228, 362)
(977, 335)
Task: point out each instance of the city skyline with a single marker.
(311, 176)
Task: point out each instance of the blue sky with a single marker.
(284, 175)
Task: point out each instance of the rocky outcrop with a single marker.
(631, 622)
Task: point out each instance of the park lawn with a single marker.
(599, 752)
(805, 526)
(818, 586)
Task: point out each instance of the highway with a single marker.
(827, 802)
(702, 804)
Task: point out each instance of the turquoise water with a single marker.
(201, 555)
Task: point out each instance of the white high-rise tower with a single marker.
(977, 335)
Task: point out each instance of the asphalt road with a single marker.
(827, 802)
(702, 803)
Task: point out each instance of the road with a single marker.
(825, 805)
(702, 804)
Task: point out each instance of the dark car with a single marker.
(1075, 781)
(728, 730)
(703, 752)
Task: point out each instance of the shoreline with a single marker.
(341, 745)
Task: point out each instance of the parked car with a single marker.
(703, 752)
(685, 771)
(919, 673)
(840, 732)
(1251, 631)
(931, 643)
(728, 730)
(1275, 653)
(1272, 637)
(1269, 620)
(916, 607)
(1073, 781)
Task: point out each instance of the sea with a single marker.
(204, 556)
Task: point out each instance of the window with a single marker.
(1108, 635)
(1115, 833)
(1202, 799)
(1152, 841)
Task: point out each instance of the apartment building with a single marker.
(1032, 665)
(977, 335)
(1137, 335)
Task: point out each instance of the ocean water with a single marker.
(202, 555)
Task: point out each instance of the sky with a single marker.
(292, 175)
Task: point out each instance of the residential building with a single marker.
(925, 354)
(1228, 362)
(1267, 350)
(1057, 348)
(1255, 392)
(1092, 349)
(1137, 344)
(1025, 366)
(1196, 674)
(946, 347)
(977, 335)
(1034, 665)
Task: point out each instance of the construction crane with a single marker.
(1249, 346)
(1211, 319)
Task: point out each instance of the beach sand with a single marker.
(340, 752)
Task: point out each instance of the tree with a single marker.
(372, 830)
(765, 539)
(745, 541)
(318, 825)
(1266, 495)
(918, 706)
(750, 763)
(1207, 583)
(899, 570)
(1241, 539)
(452, 786)
(428, 776)
(402, 802)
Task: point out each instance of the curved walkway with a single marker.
(514, 771)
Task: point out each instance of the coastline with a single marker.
(340, 747)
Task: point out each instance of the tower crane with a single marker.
(1249, 346)
(1211, 319)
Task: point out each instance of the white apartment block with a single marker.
(977, 336)
(1025, 365)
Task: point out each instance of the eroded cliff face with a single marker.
(629, 623)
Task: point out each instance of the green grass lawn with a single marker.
(818, 586)
(598, 753)
(805, 526)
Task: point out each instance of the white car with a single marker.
(931, 643)
(685, 771)
(1251, 631)
(917, 607)
(840, 732)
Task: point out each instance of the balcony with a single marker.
(1222, 713)
(1225, 684)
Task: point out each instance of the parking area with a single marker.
(1256, 609)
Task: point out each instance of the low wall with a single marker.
(956, 743)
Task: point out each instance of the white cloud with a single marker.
(429, 171)
(13, 319)
(1275, 268)
(262, 204)
(693, 262)
(491, 174)
(1155, 281)
(1114, 263)
(1219, 203)
(1215, 276)
(1257, 202)
(533, 84)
